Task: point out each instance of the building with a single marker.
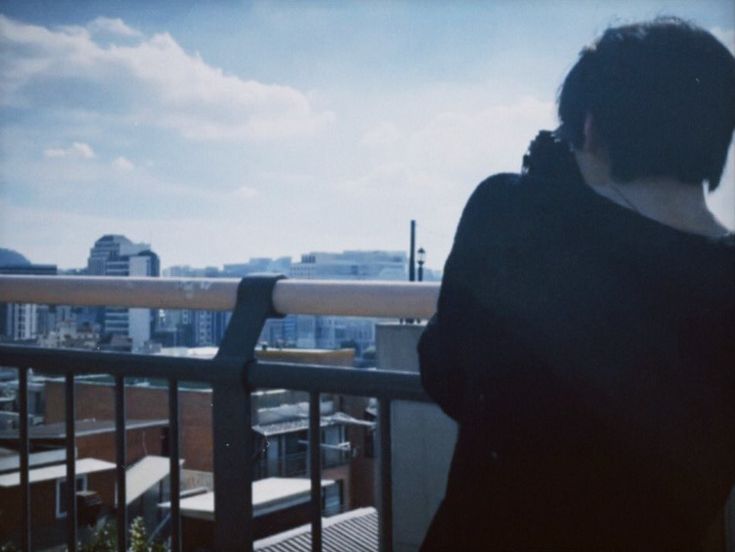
(48, 494)
(66, 331)
(279, 415)
(23, 322)
(186, 327)
(116, 255)
(333, 332)
(186, 271)
(146, 476)
(281, 265)
(352, 265)
(356, 530)
(279, 504)
(200, 328)
(190, 328)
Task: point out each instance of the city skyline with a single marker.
(262, 263)
(220, 133)
(150, 330)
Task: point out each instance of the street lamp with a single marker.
(421, 259)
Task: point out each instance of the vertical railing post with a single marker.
(25, 486)
(71, 465)
(315, 470)
(385, 497)
(233, 453)
(121, 456)
(174, 465)
(231, 415)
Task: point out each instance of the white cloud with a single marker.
(430, 170)
(78, 150)
(384, 134)
(245, 192)
(455, 148)
(491, 138)
(109, 25)
(726, 36)
(55, 235)
(164, 85)
(123, 164)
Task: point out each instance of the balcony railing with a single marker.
(233, 373)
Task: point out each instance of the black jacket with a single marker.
(588, 354)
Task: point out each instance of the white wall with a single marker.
(423, 439)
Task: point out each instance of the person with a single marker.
(584, 338)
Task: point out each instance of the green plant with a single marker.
(105, 540)
(139, 539)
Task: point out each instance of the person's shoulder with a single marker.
(497, 186)
(510, 186)
(493, 202)
(526, 192)
(506, 192)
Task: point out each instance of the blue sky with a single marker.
(220, 131)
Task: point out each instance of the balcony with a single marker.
(233, 374)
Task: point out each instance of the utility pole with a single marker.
(412, 260)
(412, 254)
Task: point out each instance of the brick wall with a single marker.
(97, 401)
(143, 403)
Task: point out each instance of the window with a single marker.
(61, 494)
(332, 499)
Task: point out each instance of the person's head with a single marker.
(659, 97)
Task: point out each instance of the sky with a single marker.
(220, 131)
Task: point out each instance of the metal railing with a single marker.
(233, 374)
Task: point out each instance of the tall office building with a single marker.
(21, 322)
(116, 255)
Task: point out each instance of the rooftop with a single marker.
(269, 495)
(83, 428)
(356, 531)
(57, 471)
(253, 300)
(140, 477)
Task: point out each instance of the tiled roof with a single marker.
(354, 531)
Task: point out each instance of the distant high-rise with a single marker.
(192, 328)
(352, 265)
(116, 255)
(197, 328)
(329, 332)
(20, 322)
(109, 255)
(281, 265)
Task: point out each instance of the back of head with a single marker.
(661, 95)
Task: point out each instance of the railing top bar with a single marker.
(387, 299)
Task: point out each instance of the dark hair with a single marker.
(662, 98)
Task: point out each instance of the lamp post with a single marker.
(421, 259)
